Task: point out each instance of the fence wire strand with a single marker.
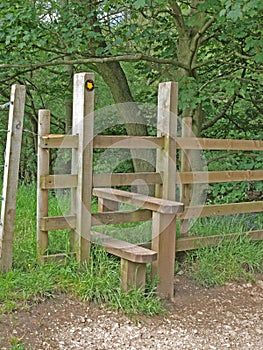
(7, 104)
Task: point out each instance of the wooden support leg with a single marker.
(163, 242)
(133, 275)
(105, 205)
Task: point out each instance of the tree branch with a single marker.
(178, 16)
(196, 39)
(200, 32)
(221, 114)
(125, 58)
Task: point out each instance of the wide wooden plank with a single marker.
(219, 176)
(124, 250)
(219, 144)
(58, 181)
(59, 141)
(50, 223)
(121, 217)
(221, 209)
(189, 243)
(156, 204)
(122, 179)
(110, 141)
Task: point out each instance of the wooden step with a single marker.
(124, 250)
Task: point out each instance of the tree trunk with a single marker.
(135, 123)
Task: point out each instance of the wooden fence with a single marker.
(82, 179)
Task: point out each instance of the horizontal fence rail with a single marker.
(58, 181)
(108, 141)
(59, 141)
(221, 209)
(50, 223)
(189, 243)
(219, 176)
(219, 144)
(121, 179)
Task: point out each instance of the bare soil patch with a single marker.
(229, 317)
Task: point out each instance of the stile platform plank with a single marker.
(147, 202)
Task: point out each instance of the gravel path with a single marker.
(229, 317)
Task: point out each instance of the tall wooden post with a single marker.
(11, 171)
(42, 194)
(164, 226)
(83, 124)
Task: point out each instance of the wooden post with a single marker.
(11, 171)
(83, 124)
(42, 194)
(164, 226)
(185, 166)
(167, 127)
(164, 239)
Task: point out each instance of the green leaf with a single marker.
(139, 4)
(235, 13)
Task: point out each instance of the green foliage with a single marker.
(219, 74)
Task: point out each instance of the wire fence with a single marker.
(7, 104)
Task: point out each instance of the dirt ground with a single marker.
(229, 317)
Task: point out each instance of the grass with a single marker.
(235, 260)
(29, 282)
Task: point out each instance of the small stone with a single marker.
(259, 283)
(82, 319)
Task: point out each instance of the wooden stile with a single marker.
(163, 210)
